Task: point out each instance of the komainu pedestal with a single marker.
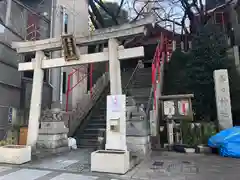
(137, 131)
(53, 133)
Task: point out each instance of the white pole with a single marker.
(114, 68)
(36, 100)
(64, 21)
(8, 13)
(236, 55)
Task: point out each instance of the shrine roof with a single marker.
(153, 37)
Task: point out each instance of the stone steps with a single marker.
(98, 121)
(88, 142)
(98, 126)
(93, 130)
(88, 138)
(140, 88)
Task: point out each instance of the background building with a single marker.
(19, 22)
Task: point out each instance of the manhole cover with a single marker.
(79, 167)
(183, 167)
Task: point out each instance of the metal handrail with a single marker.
(149, 102)
(69, 88)
(151, 96)
(131, 77)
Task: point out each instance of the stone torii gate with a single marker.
(113, 55)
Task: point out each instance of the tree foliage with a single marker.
(121, 16)
(192, 13)
(209, 53)
(193, 72)
(104, 14)
(174, 73)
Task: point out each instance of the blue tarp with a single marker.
(227, 141)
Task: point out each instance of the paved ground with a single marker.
(175, 166)
(157, 166)
(10, 173)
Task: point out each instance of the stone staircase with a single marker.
(140, 86)
(138, 90)
(87, 135)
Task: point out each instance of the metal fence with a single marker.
(23, 21)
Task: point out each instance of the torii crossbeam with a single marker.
(138, 27)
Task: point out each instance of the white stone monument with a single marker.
(116, 123)
(116, 147)
(223, 101)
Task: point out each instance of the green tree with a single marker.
(193, 72)
(174, 73)
(209, 53)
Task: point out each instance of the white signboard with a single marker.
(169, 108)
(223, 100)
(114, 104)
(183, 107)
(116, 122)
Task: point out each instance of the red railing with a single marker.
(78, 70)
(69, 88)
(159, 58)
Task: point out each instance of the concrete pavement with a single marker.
(156, 166)
(10, 173)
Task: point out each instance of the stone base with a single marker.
(110, 161)
(15, 154)
(189, 150)
(203, 149)
(56, 150)
(138, 139)
(52, 141)
(137, 128)
(138, 146)
(140, 150)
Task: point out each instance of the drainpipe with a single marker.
(51, 36)
(64, 31)
(8, 13)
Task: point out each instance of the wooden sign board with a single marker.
(177, 107)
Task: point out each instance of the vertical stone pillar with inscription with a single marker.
(223, 101)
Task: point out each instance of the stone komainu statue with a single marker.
(51, 115)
